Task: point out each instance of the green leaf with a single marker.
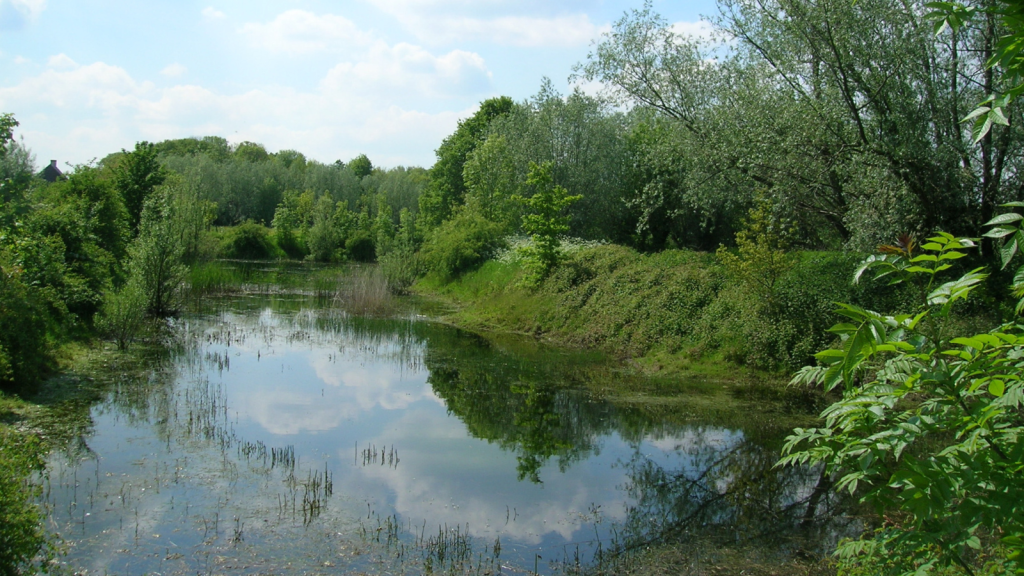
(1005, 219)
(1007, 251)
(970, 342)
(997, 388)
(1000, 232)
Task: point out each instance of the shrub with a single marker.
(24, 352)
(360, 247)
(461, 244)
(290, 243)
(248, 241)
(400, 268)
(24, 546)
(929, 426)
(545, 220)
(123, 313)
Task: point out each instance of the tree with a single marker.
(544, 221)
(361, 166)
(847, 114)
(447, 189)
(253, 152)
(136, 175)
(157, 255)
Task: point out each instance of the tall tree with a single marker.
(447, 189)
(136, 175)
(360, 166)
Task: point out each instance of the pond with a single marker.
(281, 435)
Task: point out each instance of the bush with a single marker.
(360, 247)
(461, 244)
(123, 313)
(930, 426)
(248, 241)
(23, 543)
(400, 268)
(290, 243)
(24, 351)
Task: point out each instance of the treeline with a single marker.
(844, 117)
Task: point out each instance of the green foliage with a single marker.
(158, 255)
(252, 152)
(360, 166)
(929, 426)
(1006, 56)
(136, 175)
(359, 246)
(7, 126)
(289, 242)
(400, 268)
(248, 241)
(460, 244)
(545, 220)
(323, 238)
(24, 546)
(761, 259)
(491, 181)
(400, 265)
(123, 313)
(214, 147)
(383, 228)
(447, 189)
(24, 350)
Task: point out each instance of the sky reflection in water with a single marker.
(498, 440)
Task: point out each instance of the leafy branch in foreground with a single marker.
(929, 428)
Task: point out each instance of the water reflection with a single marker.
(503, 440)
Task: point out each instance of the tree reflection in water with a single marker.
(721, 486)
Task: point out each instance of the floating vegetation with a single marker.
(371, 456)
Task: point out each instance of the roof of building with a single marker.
(51, 173)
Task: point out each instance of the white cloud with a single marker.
(395, 104)
(525, 31)
(21, 60)
(174, 70)
(524, 23)
(61, 62)
(211, 13)
(16, 14)
(409, 72)
(301, 32)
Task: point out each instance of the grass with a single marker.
(676, 312)
(365, 292)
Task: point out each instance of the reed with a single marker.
(365, 292)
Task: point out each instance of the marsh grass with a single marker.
(365, 292)
(213, 278)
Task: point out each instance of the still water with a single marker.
(281, 436)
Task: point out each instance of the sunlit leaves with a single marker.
(929, 428)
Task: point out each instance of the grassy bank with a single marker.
(674, 312)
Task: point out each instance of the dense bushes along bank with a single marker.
(674, 306)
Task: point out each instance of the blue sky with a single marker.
(332, 79)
